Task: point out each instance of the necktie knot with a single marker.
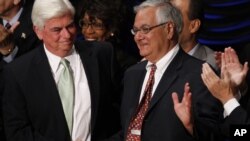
(153, 69)
(151, 76)
(7, 25)
(65, 63)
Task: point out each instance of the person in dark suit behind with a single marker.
(193, 14)
(224, 88)
(35, 107)
(21, 40)
(156, 28)
(23, 36)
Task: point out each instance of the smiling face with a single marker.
(58, 34)
(154, 44)
(91, 33)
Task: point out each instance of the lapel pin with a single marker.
(23, 35)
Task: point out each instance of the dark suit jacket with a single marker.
(239, 116)
(2, 137)
(206, 54)
(234, 117)
(161, 122)
(24, 44)
(32, 107)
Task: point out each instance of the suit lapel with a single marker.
(90, 64)
(140, 75)
(42, 67)
(168, 78)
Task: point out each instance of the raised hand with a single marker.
(237, 71)
(183, 108)
(220, 88)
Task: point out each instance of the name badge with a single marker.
(136, 132)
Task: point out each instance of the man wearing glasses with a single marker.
(147, 111)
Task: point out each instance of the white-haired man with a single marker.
(147, 110)
(64, 92)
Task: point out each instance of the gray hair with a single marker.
(165, 12)
(44, 10)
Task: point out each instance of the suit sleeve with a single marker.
(17, 124)
(1, 92)
(238, 116)
(207, 111)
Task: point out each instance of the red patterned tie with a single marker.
(134, 129)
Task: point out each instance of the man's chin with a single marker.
(142, 54)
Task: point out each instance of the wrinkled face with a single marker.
(152, 45)
(183, 6)
(93, 30)
(58, 34)
(5, 6)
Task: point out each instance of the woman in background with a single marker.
(101, 20)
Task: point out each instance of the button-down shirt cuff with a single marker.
(229, 106)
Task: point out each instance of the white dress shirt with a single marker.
(161, 66)
(82, 101)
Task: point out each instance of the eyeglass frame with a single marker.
(91, 24)
(146, 30)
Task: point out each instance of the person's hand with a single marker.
(217, 55)
(6, 39)
(183, 108)
(237, 71)
(220, 88)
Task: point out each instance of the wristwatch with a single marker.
(6, 52)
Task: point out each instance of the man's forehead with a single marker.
(61, 20)
(145, 15)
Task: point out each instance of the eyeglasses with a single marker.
(94, 25)
(145, 29)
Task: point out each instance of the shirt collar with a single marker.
(163, 63)
(192, 51)
(55, 60)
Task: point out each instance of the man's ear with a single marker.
(170, 29)
(194, 25)
(38, 32)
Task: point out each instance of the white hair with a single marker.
(44, 10)
(165, 12)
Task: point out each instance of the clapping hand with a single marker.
(183, 108)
